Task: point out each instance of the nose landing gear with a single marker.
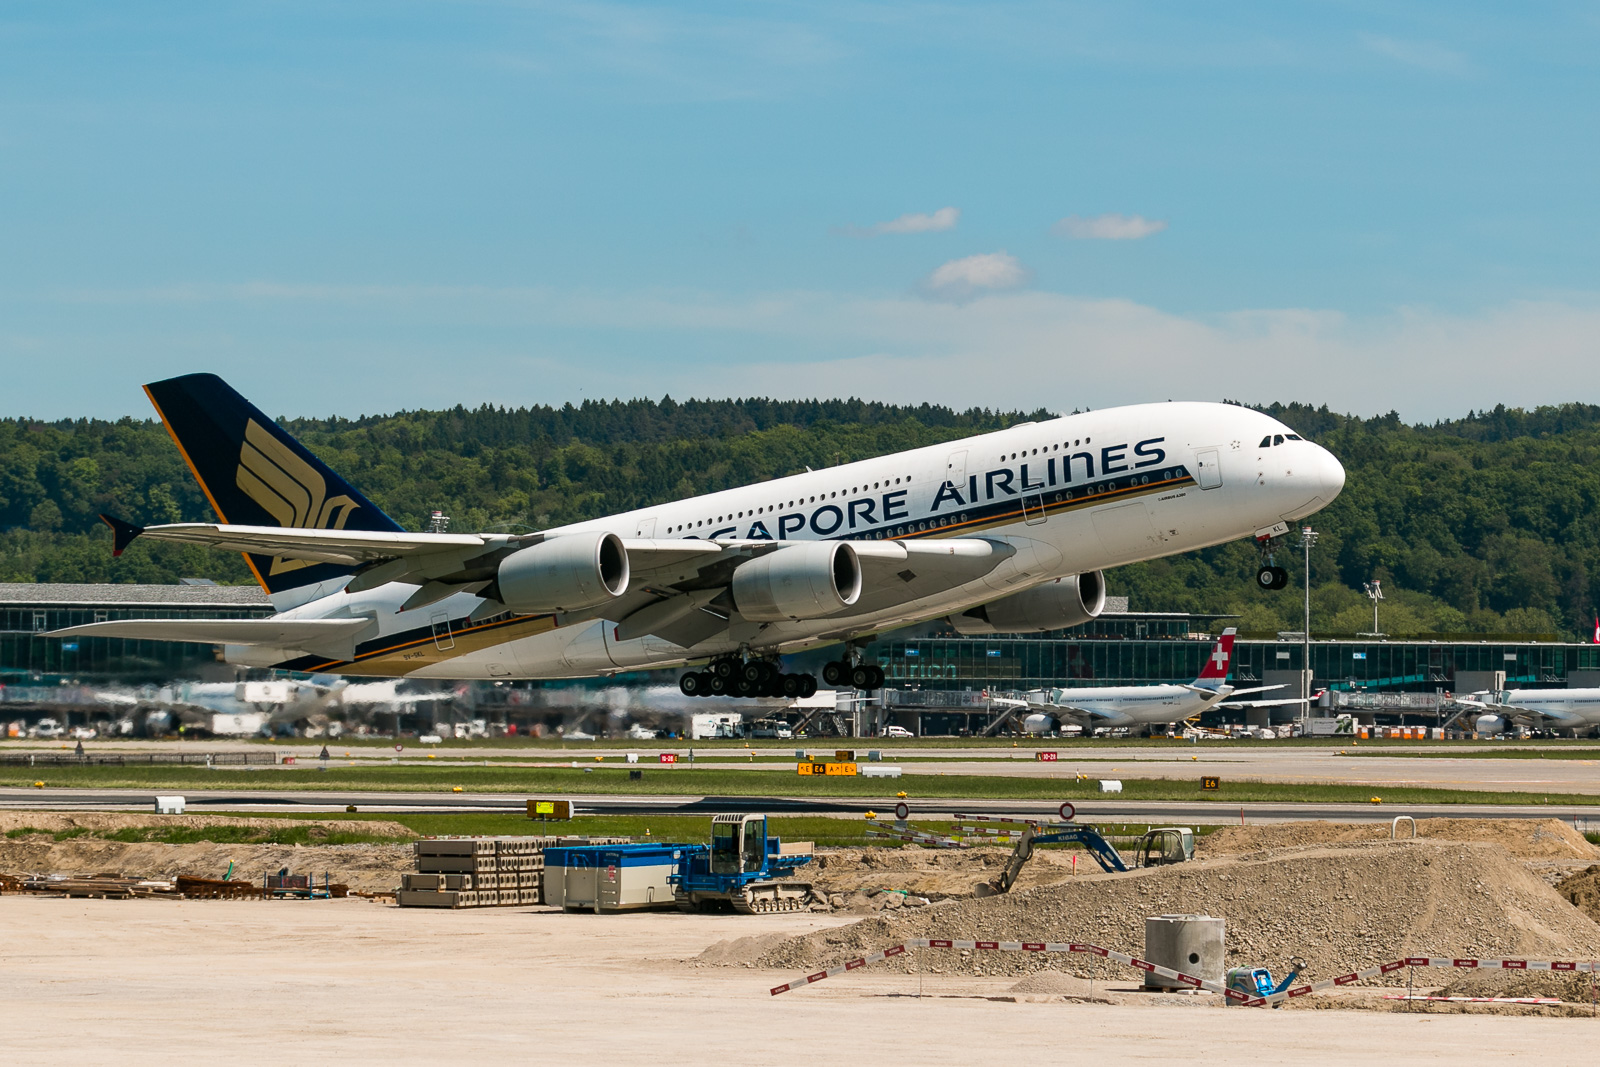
(1270, 576)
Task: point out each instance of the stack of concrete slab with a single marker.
(481, 872)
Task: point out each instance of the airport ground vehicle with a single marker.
(1157, 848)
(744, 868)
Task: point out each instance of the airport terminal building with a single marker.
(28, 611)
(931, 669)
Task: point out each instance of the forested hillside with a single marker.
(1486, 523)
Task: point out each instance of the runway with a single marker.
(1108, 810)
(1427, 766)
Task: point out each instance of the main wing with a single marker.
(678, 589)
(1526, 716)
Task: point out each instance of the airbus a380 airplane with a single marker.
(1577, 710)
(1004, 532)
(1109, 706)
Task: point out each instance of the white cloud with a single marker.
(1107, 227)
(379, 348)
(943, 219)
(915, 222)
(1424, 55)
(963, 279)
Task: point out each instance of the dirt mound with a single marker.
(1523, 838)
(1338, 907)
(1583, 890)
(1054, 983)
(368, 868)
(104, 821)
(738, 951)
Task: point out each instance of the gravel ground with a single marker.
(1339, 907)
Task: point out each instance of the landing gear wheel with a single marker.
(835, 673)
(861, 677)
(693, 684)
(877, 677)
(1272, 577)
(744, 688)
(756, 671)
(808, 686)
(724, 668)
(793, 685)
(719, 685)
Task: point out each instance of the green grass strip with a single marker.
(609, 780)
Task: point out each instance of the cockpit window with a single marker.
(1277, 439)
(1266, 442)
(1295, 437)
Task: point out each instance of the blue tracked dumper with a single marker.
(751, 872)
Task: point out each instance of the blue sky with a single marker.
(359, 207)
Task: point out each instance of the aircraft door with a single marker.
(646, 527)
(1208, 469)
(955, 470)
(443, 639)
(1033, 508)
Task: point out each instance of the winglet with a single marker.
(122, 533)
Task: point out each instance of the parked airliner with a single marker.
(1005, 532)
(1142, 706)
(1577, 710)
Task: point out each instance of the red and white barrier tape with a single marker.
(1190, 980)
(1475, 1000)
(1016, 946)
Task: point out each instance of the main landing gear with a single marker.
(863, 676)
(745, 678)
(733, 676)
(1270, 576)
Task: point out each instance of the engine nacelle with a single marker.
(1490, 725)
(566, 573)
(1053, 606)
(807, 580)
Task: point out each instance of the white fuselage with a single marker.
(1566, 709)
(1126, 705)
(1075, 494)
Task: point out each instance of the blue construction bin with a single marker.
(613, 877)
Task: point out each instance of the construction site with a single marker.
(1468, 936)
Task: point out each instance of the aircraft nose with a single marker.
(1329, 474)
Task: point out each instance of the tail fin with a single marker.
(1217, 664)
(255, 474)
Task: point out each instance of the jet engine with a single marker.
(1052, 606)
(1490, 725)
(566, 573)
(807, 580)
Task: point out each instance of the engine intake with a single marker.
(1053, 606)
(802, 581)
(565, 573)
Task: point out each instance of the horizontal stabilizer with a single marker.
(310, 635)
(122, 533)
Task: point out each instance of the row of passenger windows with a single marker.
(1047, 450)
(1278, 439)
(801, 502)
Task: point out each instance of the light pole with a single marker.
(1375, 593)
(1308, 538)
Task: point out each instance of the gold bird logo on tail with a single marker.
(287, 488)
